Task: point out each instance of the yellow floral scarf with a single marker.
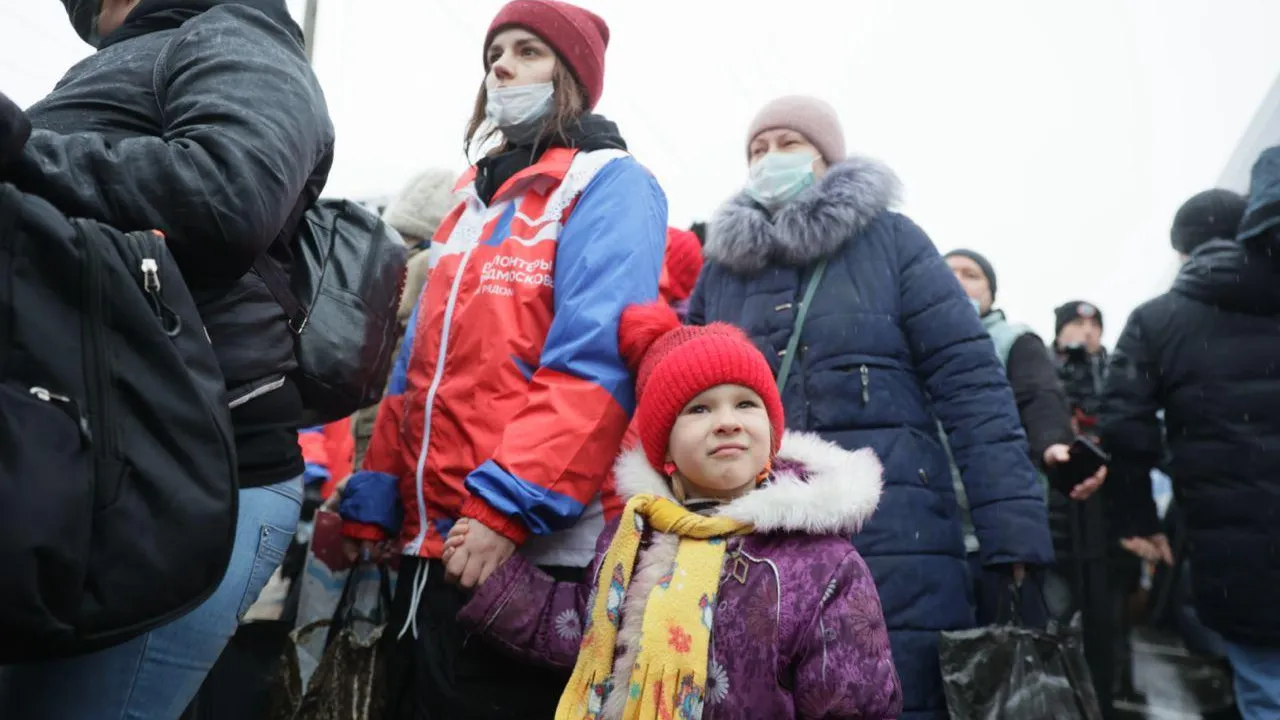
(670, 675)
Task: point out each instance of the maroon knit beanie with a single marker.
(578, 36)
(675, 363)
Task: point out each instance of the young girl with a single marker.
(729, 587)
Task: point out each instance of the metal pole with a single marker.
(309, 28)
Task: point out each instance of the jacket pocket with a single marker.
(47, 482)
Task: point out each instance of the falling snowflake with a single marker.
(569, 625)
(717, 683)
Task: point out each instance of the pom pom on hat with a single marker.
(675, 363)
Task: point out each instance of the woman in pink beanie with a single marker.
(509, 398)
(875, 344)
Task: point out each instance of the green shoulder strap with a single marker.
(789, 355)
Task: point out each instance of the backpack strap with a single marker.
(277, 280)
(789, 355)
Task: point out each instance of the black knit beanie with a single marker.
(981, 261)
(1074, 310)
(1210, 215)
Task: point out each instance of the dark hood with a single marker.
(593, 132)
(154, 15)
(1222, 273)
(1260, 226)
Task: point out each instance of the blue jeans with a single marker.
(154, 676)
(1257, 671)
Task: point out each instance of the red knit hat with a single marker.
(578, 36)
(675, 363)
(683, 262)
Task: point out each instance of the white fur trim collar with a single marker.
(817, 488)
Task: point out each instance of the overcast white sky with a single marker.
(1057, 138)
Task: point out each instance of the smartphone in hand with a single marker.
(1086, 460)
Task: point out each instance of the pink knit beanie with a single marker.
(809, 116)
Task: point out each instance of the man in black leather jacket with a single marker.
(201, 119)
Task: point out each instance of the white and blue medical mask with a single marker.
(778, 177)
(518, 111)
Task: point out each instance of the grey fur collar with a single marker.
(817, 488)
(824, 217)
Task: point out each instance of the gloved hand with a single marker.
(15, 128)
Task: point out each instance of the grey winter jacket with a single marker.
(201, 119)
(208, 124)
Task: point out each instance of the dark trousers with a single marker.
(446, 674)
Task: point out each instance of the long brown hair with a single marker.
(568, 104)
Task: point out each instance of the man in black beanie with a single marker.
(1046, 416)
(1211, 215)
(1205, 353)
(1080, 358)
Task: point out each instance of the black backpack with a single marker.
(341, 299)
(117, 465)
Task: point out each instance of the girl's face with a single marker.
(518, 57)
(720, 442)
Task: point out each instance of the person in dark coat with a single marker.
(201, 119)
(889, 345)
(1205, 352)
(1260, 226)
(1078, 581)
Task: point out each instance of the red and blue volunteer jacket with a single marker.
(510, 399)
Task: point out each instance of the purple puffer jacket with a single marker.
(798, 629)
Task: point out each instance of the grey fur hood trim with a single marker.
(745, 239)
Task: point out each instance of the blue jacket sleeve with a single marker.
(972, 398)
(556, 452)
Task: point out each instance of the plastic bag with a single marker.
(324, 576)
(348, 680)
(1009, 672)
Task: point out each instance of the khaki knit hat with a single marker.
(813, 118)
(421, 206)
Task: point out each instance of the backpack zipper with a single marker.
(101, 412)
(149, 269)
(865, 373)
(70, 407)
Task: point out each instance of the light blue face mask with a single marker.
(977, 306)
(519, 111)
(778, 177)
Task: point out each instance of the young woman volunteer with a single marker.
(510, 398)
